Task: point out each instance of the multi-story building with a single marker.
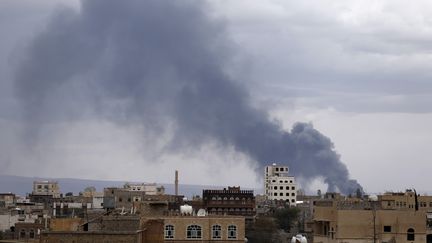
(147, 188)
(171, 228)
(391, 217)
(7, 199)
(278, 185)
(209, 228)
(46, 188)
(231, 201)
(120, 198)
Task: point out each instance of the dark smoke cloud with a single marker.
(161, 64)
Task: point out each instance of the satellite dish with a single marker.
(201, 213)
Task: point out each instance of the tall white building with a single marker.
(278, 185)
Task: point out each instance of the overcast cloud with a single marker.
(359, 70)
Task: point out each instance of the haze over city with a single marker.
(283, 80)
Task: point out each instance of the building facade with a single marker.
(147, 188)
(278, 185)
(231, 201)
(210, 228)
(7, 199)
(340, 219)
(48, 188)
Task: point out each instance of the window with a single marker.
(287, 188)
(410, 234)
(275, 194)
(287, 194)
(387, 228)
(277, 169)
(193, 232)
(281, 188)
(232, 232)
(216, 232)
(22, 233)
(293, 200)
(169, 231)
(275, 187)
(292, 194)
(293, 188)
(281, 194)
(32, 234)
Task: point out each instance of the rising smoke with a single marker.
(161, 64)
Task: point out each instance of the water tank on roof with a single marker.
(298, 239)
(201, 213)
(373, 198)
(186, 209)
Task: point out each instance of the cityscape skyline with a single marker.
(363, 85)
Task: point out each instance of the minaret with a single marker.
(176, 182)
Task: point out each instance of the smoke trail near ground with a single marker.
(161, 64)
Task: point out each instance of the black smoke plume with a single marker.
(161, 64)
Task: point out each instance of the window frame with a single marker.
(410, 234)
(169, 231)
(194, 231)
(232, 232)
(216, 228)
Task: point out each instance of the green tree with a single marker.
(286, 217)
(264, 230)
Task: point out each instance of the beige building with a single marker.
(167, 229)
(7, 199)
(147, 188)
(210, 228)
(339, 219)
(46, 188)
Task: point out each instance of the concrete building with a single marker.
(210, 228)
(231, 201)
(341, 219)
(48, 188)
(278, 185)
(110, 229)
(136, 229)
(120, 198)
(7, 200)
(147, 188)
(28, 232)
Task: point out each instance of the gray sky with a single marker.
(358, 70)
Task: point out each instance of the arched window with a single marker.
(22, 234)
(32, 234)
(232, 232)
(216, 232)
(193, 232)
(410, 234)
(169, 231)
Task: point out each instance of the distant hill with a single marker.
(21, 185)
